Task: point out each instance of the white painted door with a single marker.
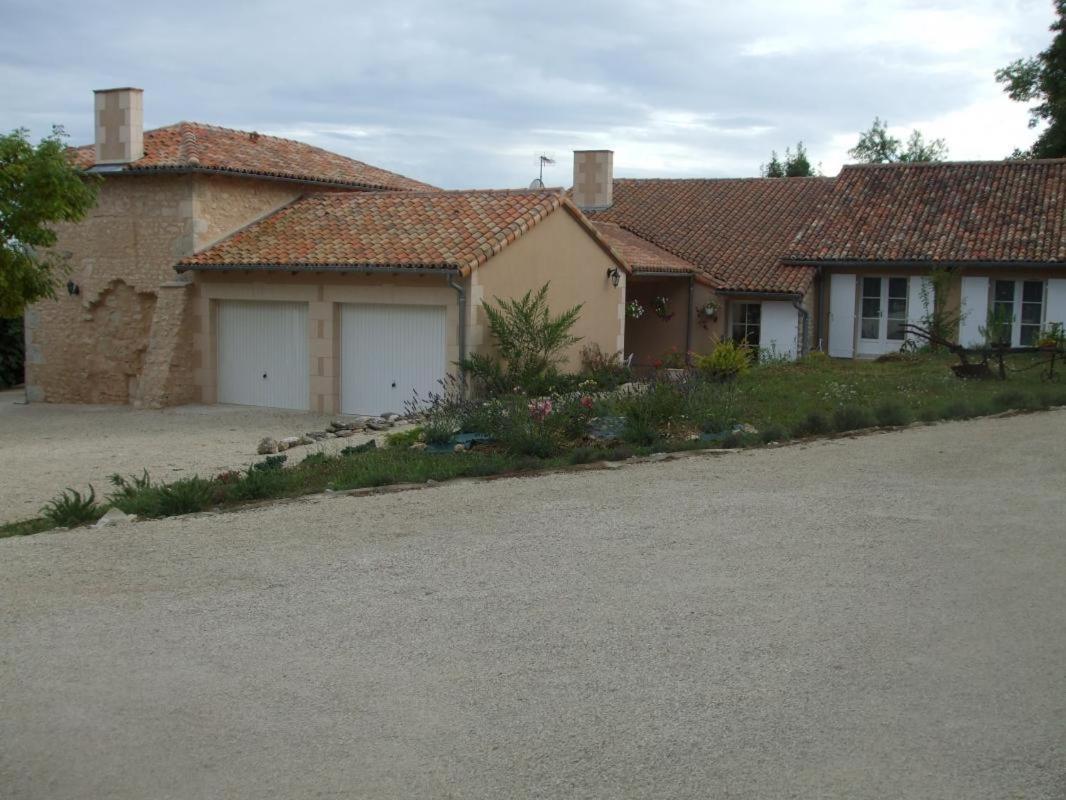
(882, 314)
(842, 315)
(780, 329)
(974, 310)
(262, 354)
(388, 353)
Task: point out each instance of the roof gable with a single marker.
(189, 146)
(952, 212)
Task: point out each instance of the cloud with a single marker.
(468, 92)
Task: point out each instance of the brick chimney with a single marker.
(119, 122)
(593, 179)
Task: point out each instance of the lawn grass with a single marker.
(885, 393)
(813, 397)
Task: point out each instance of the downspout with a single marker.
(461, 293)
(688, 320)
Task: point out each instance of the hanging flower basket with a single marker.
(634, 310)
(661, 307)
(708, 311)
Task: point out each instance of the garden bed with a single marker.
(516, 434)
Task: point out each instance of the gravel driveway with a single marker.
(45, 448)
(872, 617)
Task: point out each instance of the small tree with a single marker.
(529, 341)
(938, 319)
(878, 146)
(774, 169)
(795, 165)
(38, 187)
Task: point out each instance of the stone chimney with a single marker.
(119, 118)
(593, 179)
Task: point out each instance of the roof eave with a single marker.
(396, 269)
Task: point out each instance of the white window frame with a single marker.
(734, 307)
(882, 344)
(1016, 305)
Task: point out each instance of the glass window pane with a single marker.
(869, 328)
(897, 287)
(897, 308)
(871, 307)
(1033, 292)
(1004, 292)
(1031, 313)
(895, 329)
(754, 312)
(1029, 335)
(871, 287)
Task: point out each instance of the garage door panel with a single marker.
(388, 353)
(263, 354)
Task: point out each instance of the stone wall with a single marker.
(126, 337)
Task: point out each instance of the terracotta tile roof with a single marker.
(640, 254)
(735, 229)
(1001, 211)
(437, 230)
(192, 145)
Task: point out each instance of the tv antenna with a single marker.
(542, 159)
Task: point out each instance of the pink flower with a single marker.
(586, 401)
(540, 409)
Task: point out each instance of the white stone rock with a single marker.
(267, 446)
(114, 517)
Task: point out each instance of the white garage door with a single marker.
(262, 354)
(388, 353)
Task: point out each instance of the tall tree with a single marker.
(38, 187)
(1042, 79)
(774, 169)
(795, 165)
(878, 146)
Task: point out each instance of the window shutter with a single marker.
(1056, 302)
(974, 310)
(842, 315)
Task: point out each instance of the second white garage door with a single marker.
(388, 353)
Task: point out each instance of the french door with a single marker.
(882, 314)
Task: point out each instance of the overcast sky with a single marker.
(465, 93)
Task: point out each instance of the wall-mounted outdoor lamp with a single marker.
(615, 275)
(73, 288)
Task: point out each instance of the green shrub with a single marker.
(773, 433)
(271, 462)
(957, 409)
(891, 413)
(814, 424)
(530, 341)
(71, 508)
(852, 418)
(186, 496)
(1012, 398)
(608, 370)
(583, 455)
(648, 413)
(403, 438)
(258, 484)
(726, 361)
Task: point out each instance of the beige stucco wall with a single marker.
(558, 249)
(126, 338)
(324, 294)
